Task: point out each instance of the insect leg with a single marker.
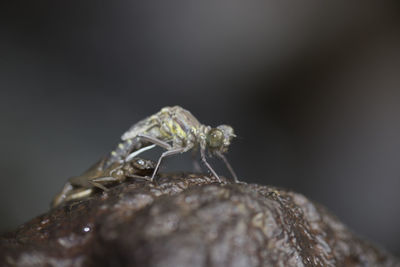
(97, 184)
(166, 154)
(105, 179)
(98, 181)
(138, 176)
(137, 152)
(150, 139)
(79, 193)
(58, 199)
(228, 166)
(155, 141)
(203, 158)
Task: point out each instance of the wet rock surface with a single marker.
(189, 220)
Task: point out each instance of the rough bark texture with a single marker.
(189, 220)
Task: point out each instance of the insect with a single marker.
(97, 177)
(173, 128)
(177, 131)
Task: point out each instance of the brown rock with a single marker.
(189, 220)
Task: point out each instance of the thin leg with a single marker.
(228, 166)
(203, 158)
(59, 198)
(155, 141)
(78, 194)
(137, 152)
(138, 176)
(150, 139)
(96, 184)
(105, 179)
(166, 154)
(115, 169)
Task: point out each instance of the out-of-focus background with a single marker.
(312, 89)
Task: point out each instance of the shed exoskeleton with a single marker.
(84, 185)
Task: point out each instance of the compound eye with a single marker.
(142, 164)
(215, 138)
(139, 164)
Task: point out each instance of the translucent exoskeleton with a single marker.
(177, 131)
(97, 177)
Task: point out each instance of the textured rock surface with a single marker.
(189, 220)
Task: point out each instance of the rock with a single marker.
(189, 220)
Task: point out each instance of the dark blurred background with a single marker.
(311, 88)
